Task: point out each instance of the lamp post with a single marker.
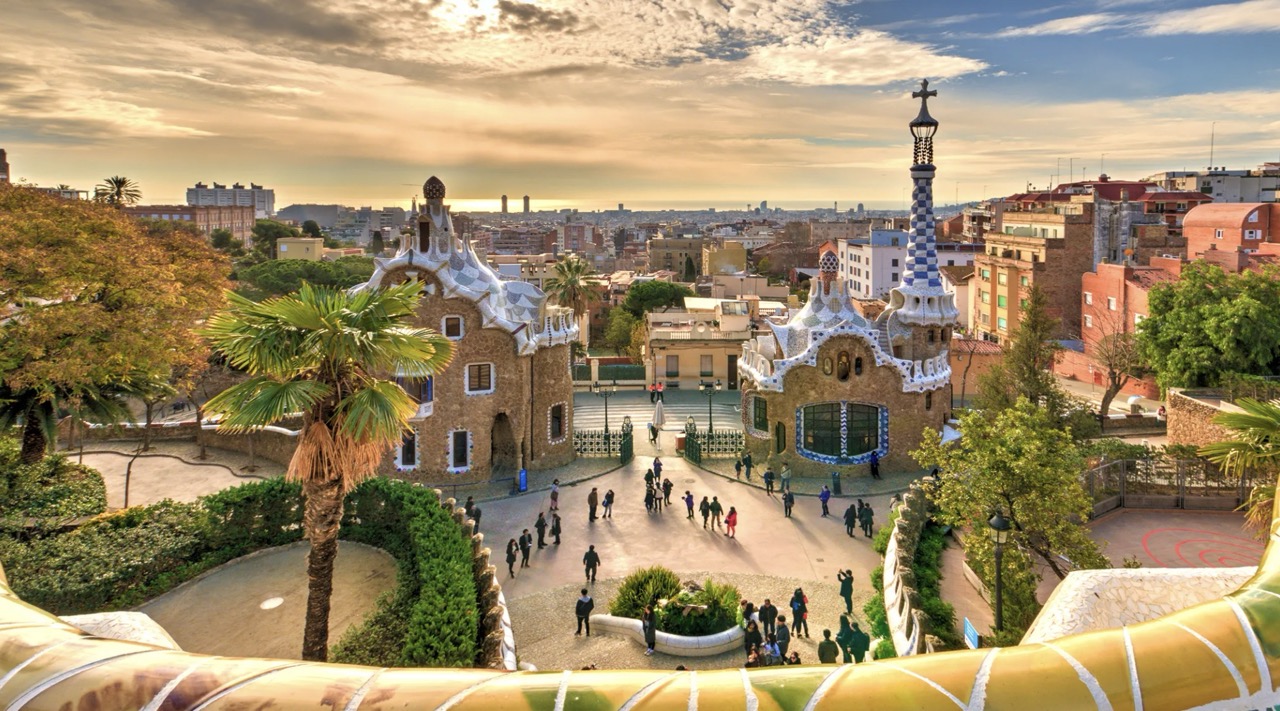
(999, 535)
(605, 392)
(709, 389)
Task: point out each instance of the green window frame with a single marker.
(822, 428)
(760, 414)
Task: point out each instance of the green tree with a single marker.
(690, 272)
(323, 352)
(1208, 323)
(617, 335)
(265, 234)
(376, 245)
(311, 228)
(652, 295)
(284, 276)
(92, 296)
(224, 241)
(1255, 446)
(571, 286)
(117, 191)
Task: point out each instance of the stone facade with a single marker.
(908, 623)
(1190, 416)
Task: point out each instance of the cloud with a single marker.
(1251, 16)
(867, 58)
(526, 17)
(1076, 25)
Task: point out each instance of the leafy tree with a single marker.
(284, 276)
(1254, 446)
(117, 191)
(376, 246)
(690, 272)
(571, 285)
(1116, 349)
(617, 334)
(1208, 323)
(224, 241)
(1020, 461)
(265, 234)
(652, 295)
(92, 296)
(321, 352)
(311, 228)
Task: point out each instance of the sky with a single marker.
(589, 103)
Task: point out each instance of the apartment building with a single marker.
(672, 253)
(262, 200)
(238, 219)
(872, 267)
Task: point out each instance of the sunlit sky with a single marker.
(647, 102)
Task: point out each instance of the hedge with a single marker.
(42, 497)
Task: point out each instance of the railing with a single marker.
(666, 334)
(719, 444)
(597, 443)
(1192, 484)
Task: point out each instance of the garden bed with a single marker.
(692, 620)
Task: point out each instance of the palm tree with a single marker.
(320, 352)
(37, 410)
(1256, 445)
(118, 191)
(569, 287)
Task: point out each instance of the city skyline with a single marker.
(679, 102)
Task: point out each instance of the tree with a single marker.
(117, 191)
(652, 295)
(1255, 445)
(1018, 460)
(311, 228)
(571, 285)
(91, 296)
(690, 272)
(376, 246)
(283, 276)
(1116, 350)
(617, 334)
(324, 352)
(967, 347)
(1208, 323)
(265, 234)
(151, 388)
(223, 240)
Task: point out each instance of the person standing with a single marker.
(512, 547)
(768, 614)
(768, 480)
(746, 464)
(583, 610)
(844, 638)
(648, 499)
(824, 496)
(591, 561)
(731, 523)
(784, 635)
(827, 650)
(667, 486)
(850, 520)
(846, 588)
(661, 391)
(867, 517)
(788, 502)
(608, 504)
(541, 527)
(555, 495)
(593, 500)
(800, 612)
(657, 470)
(875, 465)
(737, 467)
(688, 503)
(648, 477)
(653, 393)
(475, 516)
(555, 527)
(705, 509)
(716, 510)
(786, 477)
(471, 503)
(526, 545)
(861, 642)
(649, 623)
(752, 638)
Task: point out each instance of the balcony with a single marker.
(689, 334)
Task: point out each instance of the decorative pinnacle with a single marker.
(433, 189)
(923, 118)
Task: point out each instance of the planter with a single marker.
(673, 644)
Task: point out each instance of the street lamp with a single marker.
(605, 392)
(709, 389)
(999, 535)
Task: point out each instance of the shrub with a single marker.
(714, 608)
(644, 587)
(46, 494)
(880, 543)
(877, 619)
(885, 650)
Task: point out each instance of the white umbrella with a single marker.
(659, 418)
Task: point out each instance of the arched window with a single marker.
(857, 365)
(779, 438)
(823, 432)
(931, 335)
(842, 366)
(826, 365)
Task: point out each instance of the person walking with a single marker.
(657, 470)
(541, 527)
(512, 547)
(731, 523)
(824, 496)
(768, 614)
(746, 464)
(844, 638)
(800, 612)
(752, 638)
(861, 642)
(649, 623)
(475, 516)
(555, 527)
(716, 510)
(867, 518)
(827, 650)
(648, 499)
(788, 502)
(768, 480)
(705, 509)
(583, 611)
(786, 477)
(667, 486)
(526, 545)
(653, 434)
(688, 504)
(784, 635)
(608, 504)
(875, 465)
(737, 467)
(591, 561)
(846, 588)
(850, 520)
(471, 503)
(593, 500)
(555, 495)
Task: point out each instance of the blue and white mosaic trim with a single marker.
(882, 435)
(922, 251)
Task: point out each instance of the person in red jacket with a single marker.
(731, 522)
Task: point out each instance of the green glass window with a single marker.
(863, 429)
(1001, 301)
(822, 428)
(760, 414)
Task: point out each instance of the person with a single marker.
(748, 611)
(593, 500)
(846, 588)
(716, 509)
(850, 520)
(584, 608)
(1160, 413)
(471, 503)
(731, 523)
(768, 480)
(648, 499)
(555, 527)
(784, 634)
(608, 504)
(649, 623)
(788, 502)
(753, 659)
(512, 547)
(768, 614)
(737, 467)
(827, 650)
(667, 486)
(648, 477)
(746, 464)
(786, 477)
(653, 393)
(824, 496)
(653, 434)
(657, 469)
(800, 612)
(657, 495)
(794, 658)
(526, 545)
(844, 638)
(772, 655)
(688, 504)
(661, 390)
(875, 465)
(866, 516)
(541, 527)
(861, 642)
(555, 495)
(752, 638)
(475, 516)
(591, 561)
(705, 509)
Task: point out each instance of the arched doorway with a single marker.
(504, 458)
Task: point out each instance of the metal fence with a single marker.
(1159, 483)
(718, 444)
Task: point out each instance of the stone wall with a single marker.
(275, 444)
(908, 624)
(497, 639)
(1190, 418)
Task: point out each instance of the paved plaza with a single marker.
(1178, 539)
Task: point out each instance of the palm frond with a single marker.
(377, 412)
(1257, 437)
(262, 400)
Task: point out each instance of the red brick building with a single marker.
(1231, 227)
(238, 219)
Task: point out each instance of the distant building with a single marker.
(4, 168)
(324, 215)
(701, 342)
(1260, 185)
(957, 279)
(504, 204)
(526, 204)
(262, 200)
(727, 258)
(874, 266)
(672, 253)
(238, 219)
(1231, 227)
(308, 248)
(533, 269)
